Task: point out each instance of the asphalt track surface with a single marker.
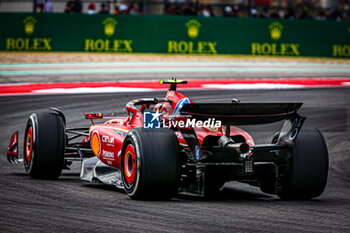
(69, 205)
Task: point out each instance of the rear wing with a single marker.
(242, 113)
(247, 114)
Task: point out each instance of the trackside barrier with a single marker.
(173, 34)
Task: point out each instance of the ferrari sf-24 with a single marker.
(169, 146)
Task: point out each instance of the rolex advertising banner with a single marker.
(173, 35)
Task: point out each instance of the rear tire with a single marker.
(150, 163)
(44, 145)
(308, 170)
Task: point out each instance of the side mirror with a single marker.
(93, 115)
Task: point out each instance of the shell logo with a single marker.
(275, 30)
(109, 26)
(95, 143)
(193, 28)
(29, 25)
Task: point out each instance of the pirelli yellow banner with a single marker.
(173, 34)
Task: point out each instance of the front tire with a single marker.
(44, 145)
(308, 170)
(150, 163)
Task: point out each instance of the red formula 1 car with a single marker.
(172, 145)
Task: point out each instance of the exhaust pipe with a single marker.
(241, 148)
(227, 142)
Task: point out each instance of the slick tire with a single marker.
(150, 163)
(44, 145)
(308, 168)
